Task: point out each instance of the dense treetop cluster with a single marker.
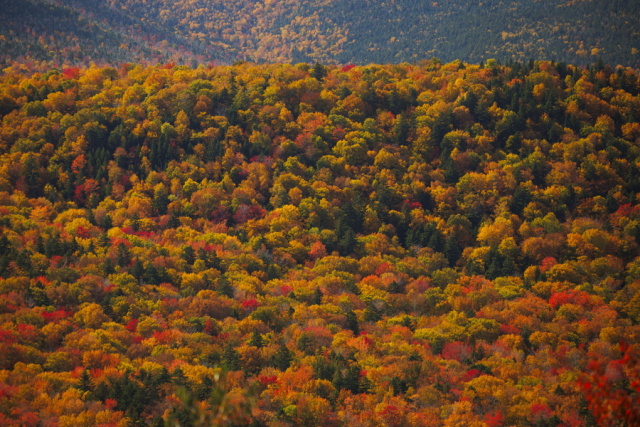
(431, 244)
(74, 32)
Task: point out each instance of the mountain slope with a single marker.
(358, 31)
(283, 245)
(75, 33)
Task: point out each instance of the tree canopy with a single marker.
(430, 244)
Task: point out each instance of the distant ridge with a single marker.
(330, 31)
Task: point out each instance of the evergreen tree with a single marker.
(452, 250)
(230, 358)
(319, 72)
(85, 382)
(256, 339)
(352, 322)
(123, 257)
(317, 296)
(283, 358)
(178, 378)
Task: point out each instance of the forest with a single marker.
(272, 245)
(109, 32)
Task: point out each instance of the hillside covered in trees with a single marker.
(432, 244)
(112, 32)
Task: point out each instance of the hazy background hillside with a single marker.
(357, 31)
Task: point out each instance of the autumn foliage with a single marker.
(431, 244)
